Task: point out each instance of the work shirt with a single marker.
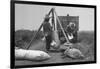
(47, 28)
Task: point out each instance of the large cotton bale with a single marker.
(34, 55)
(20, 53)
(73, 53)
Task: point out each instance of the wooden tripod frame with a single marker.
(53, 12)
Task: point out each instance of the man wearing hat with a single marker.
(47, 32)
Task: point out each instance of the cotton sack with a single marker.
(20, 53)
(36, 55)
(74, 53)
(31, 55)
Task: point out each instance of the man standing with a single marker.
(47, 32)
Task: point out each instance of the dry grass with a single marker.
(85, 44)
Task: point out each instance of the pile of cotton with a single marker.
(34, 55)
(20, 53)
(73, 53)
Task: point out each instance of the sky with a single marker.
(31, 16)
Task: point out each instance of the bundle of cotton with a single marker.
(34, 55)
(73, 53)
(20, 53)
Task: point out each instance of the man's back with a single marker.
(47, 28)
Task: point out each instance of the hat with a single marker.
(47, 16)
(71, 24)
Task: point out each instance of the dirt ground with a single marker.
(56, 57)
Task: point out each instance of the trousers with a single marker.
(48, 41)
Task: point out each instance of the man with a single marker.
(47, 32)
(72, 33)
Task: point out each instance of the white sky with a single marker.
(31, 16)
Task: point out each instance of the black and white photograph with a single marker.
(47, 34)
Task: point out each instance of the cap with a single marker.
(47, 16)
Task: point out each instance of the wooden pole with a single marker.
(53, 22)
(61, 27)
(34, 36)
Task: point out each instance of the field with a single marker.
(85, 44)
